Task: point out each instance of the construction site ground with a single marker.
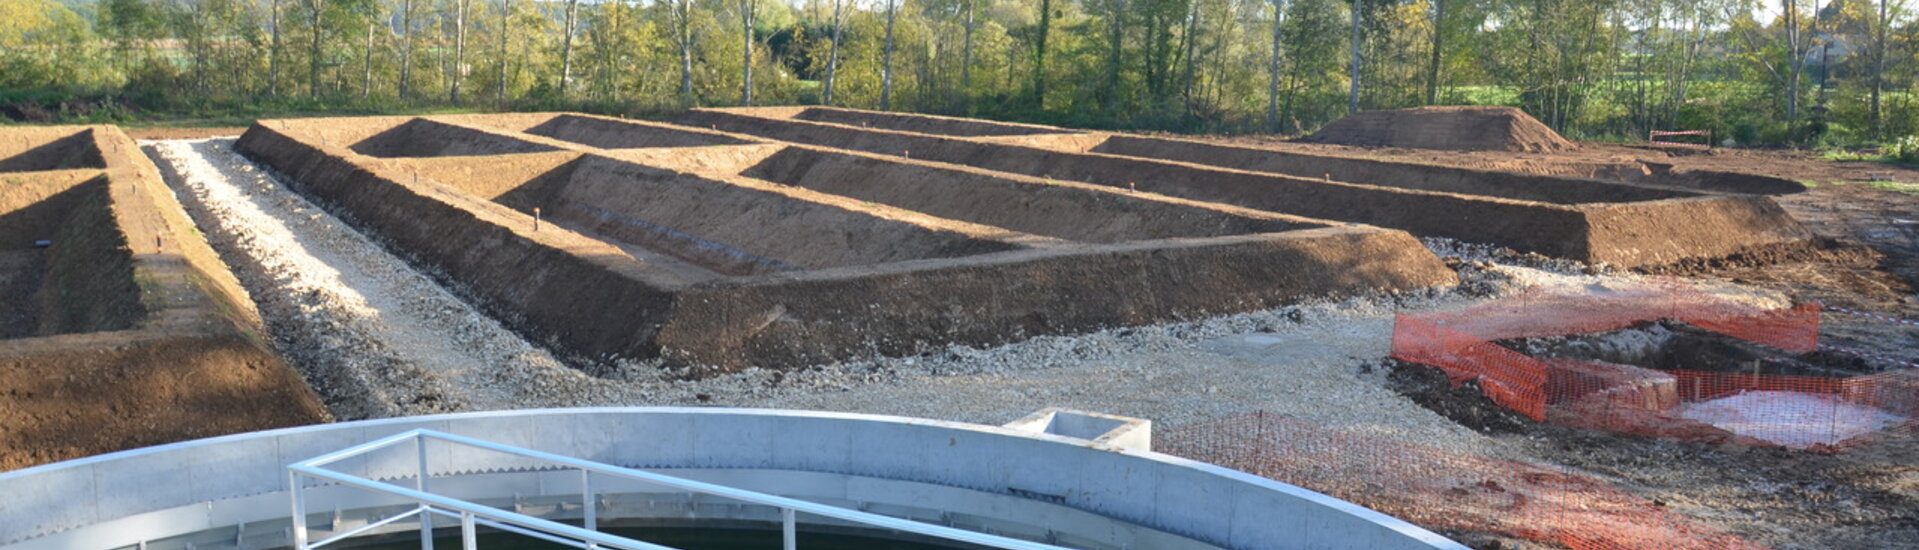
(1322, 363)
(377, 337)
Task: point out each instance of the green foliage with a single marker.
(1607, 69)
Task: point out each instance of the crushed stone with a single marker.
(379, 338)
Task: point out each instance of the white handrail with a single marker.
(471, 514)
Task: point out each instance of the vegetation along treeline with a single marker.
(1758, 72)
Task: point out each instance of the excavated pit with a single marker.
(615, 239)
(1065, 210)
(1581, 219)
(47, 149)
(925, 124)
(63, 267)
(120, 326)
(727, 228)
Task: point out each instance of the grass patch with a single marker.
(1896, 187)
(1892, 186)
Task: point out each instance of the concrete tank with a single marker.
(1048, 478)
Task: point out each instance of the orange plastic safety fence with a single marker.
(1443, 489)
(1751, 408)
(1509, 378)
(1795, 329)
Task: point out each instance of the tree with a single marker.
(966, 53)
(1352, 101)
(833, 56)
(1799, 47)
(506, 46)
(275, 52)
(566, 46)
(1438, 46)
(682, 11)
(317, 29)
(1272, 67)
(458, 71)
(886, 65)
(1115, 27)
(1039, 54)
(1881, 49)
(746, 57)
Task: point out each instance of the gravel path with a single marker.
(374, 336)
(380, 339)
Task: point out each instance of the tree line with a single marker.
(1757, 72)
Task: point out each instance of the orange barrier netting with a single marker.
(1752, 408)
(1442, 489)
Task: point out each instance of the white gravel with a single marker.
(380, 339)
(374, 336)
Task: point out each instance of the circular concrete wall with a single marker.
(230, 491)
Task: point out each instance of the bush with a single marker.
(1905, 149)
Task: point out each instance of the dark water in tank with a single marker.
(684, 538)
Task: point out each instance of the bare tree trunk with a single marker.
(745, 60)
(198, 43)
(682, 20)
(406, 49)
(1352, 97)
(506, 15)
(1039, 54)
(1798, 61)
(966, 57)
(316, 9)
(459, 50)
(1272, 67)
(833, 54)
(886, 61)
(273, 54)
(1439, 42)
(366, 77)
(1116, 11)
(566, 46)
(1189, 42)
(1879, 69)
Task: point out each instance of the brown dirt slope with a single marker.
(144, 336)
(864, 283)
(1464, 128)
(1646, 227)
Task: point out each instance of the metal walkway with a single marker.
(470, 515)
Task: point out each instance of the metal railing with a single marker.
(472, 515)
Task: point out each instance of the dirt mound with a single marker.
(1459, 128)
(133, 332)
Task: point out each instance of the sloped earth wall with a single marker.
(577, 287)
(1584, 220)
(132, 331)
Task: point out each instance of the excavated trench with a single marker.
(1581, 219)
(1668, 345)
(627, 239)
(64, 268)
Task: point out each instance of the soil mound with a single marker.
(1458, 128)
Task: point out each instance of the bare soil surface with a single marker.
(110, 391)
(1798, 165)
(20, 274)
(202, 132)
(1864, 498)
(1464, 128)
(1319, 362)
